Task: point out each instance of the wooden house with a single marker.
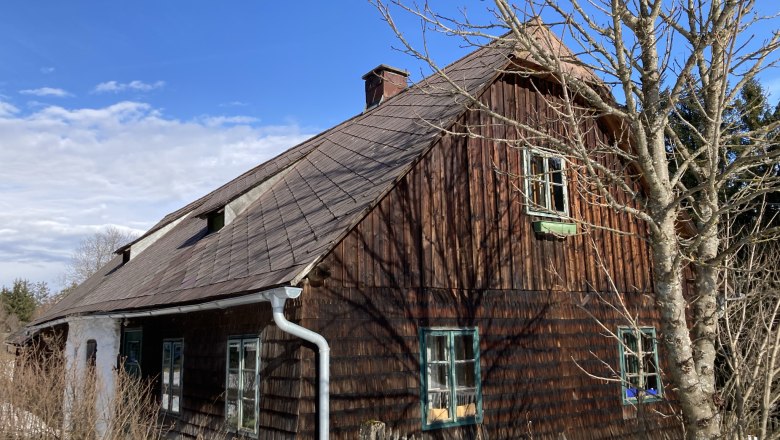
(453, 306)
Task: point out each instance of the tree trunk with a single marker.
(695, 396)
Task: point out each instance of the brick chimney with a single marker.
(383, 82)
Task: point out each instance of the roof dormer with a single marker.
(215, 220)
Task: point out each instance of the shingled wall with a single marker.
(452, 245)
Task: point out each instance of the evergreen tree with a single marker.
(20, 299)
(749, 113)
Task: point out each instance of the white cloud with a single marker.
(47, 70)
(7, 109)
(73, 171)
(227, 120)
(234, 104)
(137, 86)
(46, 91)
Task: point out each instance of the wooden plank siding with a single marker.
(205, 336)
(452, 245)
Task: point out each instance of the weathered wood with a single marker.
(205, 336)
(470, 258)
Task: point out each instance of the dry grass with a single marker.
(34, 385)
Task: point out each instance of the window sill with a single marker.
(558, 229)
(473, 420)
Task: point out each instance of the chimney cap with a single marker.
(385, 68)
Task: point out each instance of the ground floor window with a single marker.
(639, 372)
(131, 351)
(241, 387)
(450, 377)
(172, 362)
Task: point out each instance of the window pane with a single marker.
(630, 349)
(165, 400)
(248, 415)
(249, 384)
(648, 344)
(232, 394)
(466, 403)
(438, 376)
(250, 355)
(632, 386)
(166, 357)
(536, 180)
(649, 363)
(437, 348)
(629, 340)
(175, 403)
(232, 413)
(232, 380)
(631, 364)
(555, 169)
(464, 375)
(177, 355)
(536, 166)
(439, 399)
(538, 193)
(559, 203)
(233, 360)
(651, 384)
(133, 351)
(464, 347)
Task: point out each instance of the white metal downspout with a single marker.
(277, 302)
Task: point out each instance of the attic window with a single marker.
(125, 256)
(545, 184)
(215, 221)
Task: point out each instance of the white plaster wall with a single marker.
(105, 331)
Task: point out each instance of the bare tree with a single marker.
(653, 54)
(94, 252)
(749, 338)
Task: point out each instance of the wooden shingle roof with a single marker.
(330, 182)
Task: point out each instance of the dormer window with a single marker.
(215, 221)
(126, 255)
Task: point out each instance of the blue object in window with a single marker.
(639, 372)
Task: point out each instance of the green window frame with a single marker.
(451, 389)
(640, 376)
(132, 342)
(242, 380)
(172, 381)
(546, 191)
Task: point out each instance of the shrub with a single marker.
(36, 382)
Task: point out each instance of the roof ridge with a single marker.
(330, 194)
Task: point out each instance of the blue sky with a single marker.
(116, 113)
(278, 62)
